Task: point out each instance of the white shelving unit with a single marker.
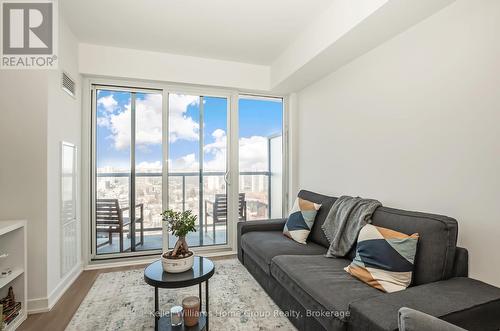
(13, 255)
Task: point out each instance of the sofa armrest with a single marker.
(414, 320)
(461, 263)
(252, 226)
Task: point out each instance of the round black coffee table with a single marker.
(201, 272)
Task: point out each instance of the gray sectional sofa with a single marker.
(300, 279)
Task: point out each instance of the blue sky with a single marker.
(258, 119)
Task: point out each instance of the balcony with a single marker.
(183, 195)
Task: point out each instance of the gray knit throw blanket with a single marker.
(344, 221)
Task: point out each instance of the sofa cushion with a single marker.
(301, 220)
(317, 235)
(462, 301)
(436, 243)
(384, 258)
(321, 285)
(262, 246)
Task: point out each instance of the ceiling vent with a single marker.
(68, 84)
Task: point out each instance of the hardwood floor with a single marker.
(59, 317)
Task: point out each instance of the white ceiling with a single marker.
(251, 31)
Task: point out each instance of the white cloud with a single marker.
(218, 133)
(145, 166)
(103, 121)
(108, 103)
(119, 125)
(148, 123)
(217, 150)
(252, 154)
(148, 113)
(149, 120)
(184, 163)
(182, 126)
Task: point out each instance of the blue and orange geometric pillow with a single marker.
(301, 220)
(384, 258)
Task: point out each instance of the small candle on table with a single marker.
(191, 306)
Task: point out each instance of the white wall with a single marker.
(63, 124)
(415, 124)
(23, 164)
(35, 116)
(137, 64)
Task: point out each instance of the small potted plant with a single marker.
(180, 258)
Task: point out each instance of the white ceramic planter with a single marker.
(177, 265)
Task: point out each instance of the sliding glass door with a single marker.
(197, 145)
(128, 168)
(155, 149)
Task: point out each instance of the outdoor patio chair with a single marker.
(109, 219)
(217, 209)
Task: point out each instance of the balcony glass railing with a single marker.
(183, 195)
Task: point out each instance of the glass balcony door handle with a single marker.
(226, 178)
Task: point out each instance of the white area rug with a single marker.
(123, 301)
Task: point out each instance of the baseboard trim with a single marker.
(63, 286)
(93, 265)
(125, 262)
(43, 305)
(38, 305)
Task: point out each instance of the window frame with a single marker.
(88, 171)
